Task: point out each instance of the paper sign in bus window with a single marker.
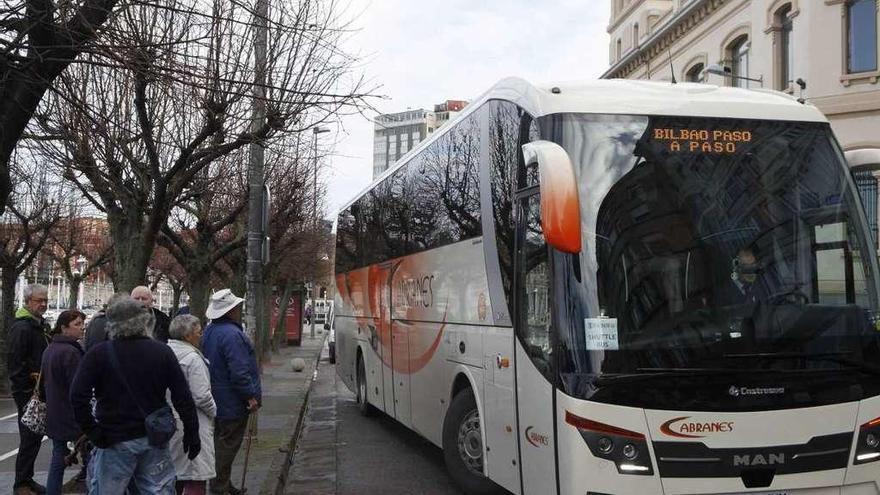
(601, 334)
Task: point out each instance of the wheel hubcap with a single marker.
(470, 443)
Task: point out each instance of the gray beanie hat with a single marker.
(127, 318)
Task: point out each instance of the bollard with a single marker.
(298, 364)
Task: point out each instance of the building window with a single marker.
(738, 54)
(636, 35)
(785, 54)
(696, 73)
(866, 183)
(619, 51)
(861, 19)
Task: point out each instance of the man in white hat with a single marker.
(235, 382)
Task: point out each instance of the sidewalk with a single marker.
(284, 397)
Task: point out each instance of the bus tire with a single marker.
(363, 404)
(463, 445)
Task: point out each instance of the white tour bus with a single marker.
(621, 287)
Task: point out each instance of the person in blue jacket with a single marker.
(235, 382)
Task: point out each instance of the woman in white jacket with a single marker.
(192, 476)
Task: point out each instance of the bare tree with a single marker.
(207, 226)
(24, 231)
(38, 40)
(138, 124)
(80, 245)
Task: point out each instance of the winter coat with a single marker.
(96, 332)
(150, 369)
(160, 328)
(28, 338)
(235, 377)
(195, 369)
(60, 362)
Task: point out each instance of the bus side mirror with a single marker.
(560, 207)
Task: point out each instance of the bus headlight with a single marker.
(868, 445)
(601, 438)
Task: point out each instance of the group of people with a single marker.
(107, 390)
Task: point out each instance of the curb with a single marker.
(287, 453)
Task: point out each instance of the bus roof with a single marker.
(629, 97)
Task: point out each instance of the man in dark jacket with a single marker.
(97, 329)
(28, 338)
(235, 382)
(144, 295)
(129, 388)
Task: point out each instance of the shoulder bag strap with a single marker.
(114, 361)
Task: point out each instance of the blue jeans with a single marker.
(149, 468)
(56, 467)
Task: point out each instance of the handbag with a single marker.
(160, 424)
(34, 415)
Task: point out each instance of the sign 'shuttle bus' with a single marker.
(621, 288)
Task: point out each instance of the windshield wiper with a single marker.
(653, 373)
(834, 357)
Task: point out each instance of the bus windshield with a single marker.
(727, 265)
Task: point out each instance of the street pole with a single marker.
(255, 178)
(315, 130)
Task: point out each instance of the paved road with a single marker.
(341, 452)
(9, 447)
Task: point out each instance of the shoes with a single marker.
(36, 487)
(236, 491)
(30, 488)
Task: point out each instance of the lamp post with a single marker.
(315, 131)
(80, 268)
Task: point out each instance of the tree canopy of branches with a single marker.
(25, 227)
(168, 95)
(38, 40)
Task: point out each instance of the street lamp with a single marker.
(80, 268)
(723, 70)
(315, 131)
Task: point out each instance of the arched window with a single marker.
(619, 51)
(738, 55)
(784, 51)
(636, 35)
(695, 74)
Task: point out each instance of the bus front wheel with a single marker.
(362, 403)
(463, 445)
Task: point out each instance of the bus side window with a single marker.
(534, 285)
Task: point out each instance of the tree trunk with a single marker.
(73, 295)
(199, 288)
(7, 306)
(281, 325)
(132, 246)
(177, 290)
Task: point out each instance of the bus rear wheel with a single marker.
(463, 445)
(362, 403)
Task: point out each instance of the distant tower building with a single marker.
(397, 133)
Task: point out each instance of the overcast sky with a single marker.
(427, 51)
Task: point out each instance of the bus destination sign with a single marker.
(701, 140)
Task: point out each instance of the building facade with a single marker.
(397, 133)
(830, 46)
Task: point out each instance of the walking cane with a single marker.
(247, 446)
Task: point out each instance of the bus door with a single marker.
(400, 375)
(535, 404)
